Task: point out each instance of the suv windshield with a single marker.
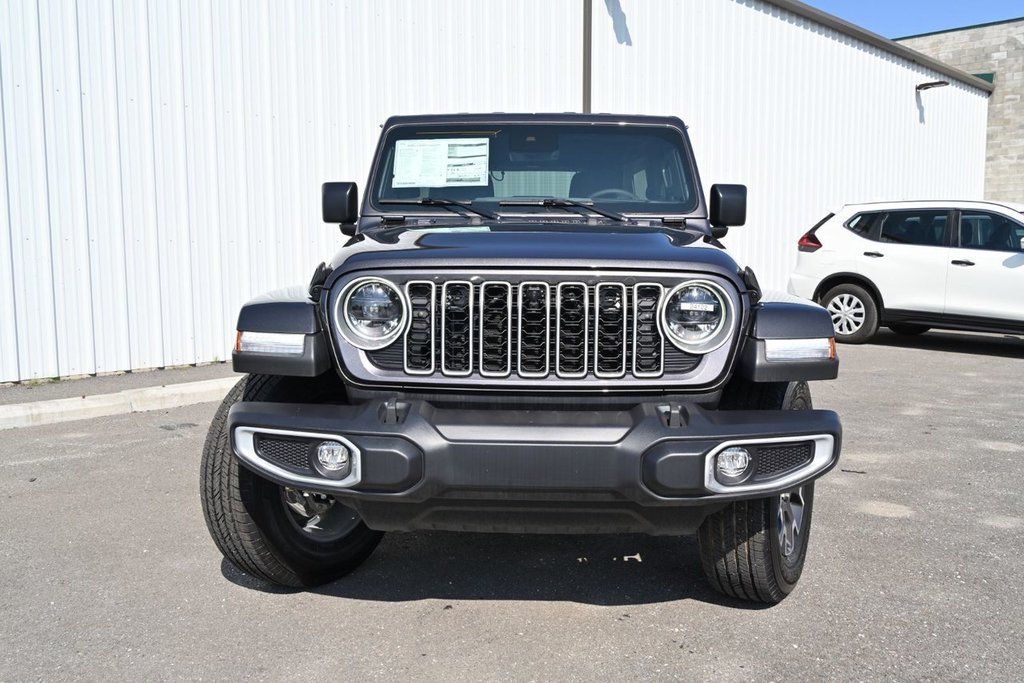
(622, 169)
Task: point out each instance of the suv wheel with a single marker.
(854, 313)
(755, 549)
(279, 534)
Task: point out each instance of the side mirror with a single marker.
(728, 205)
(341, 203)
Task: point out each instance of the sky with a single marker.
(898, 18)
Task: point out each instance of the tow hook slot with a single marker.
(673, 415)
(393, 412)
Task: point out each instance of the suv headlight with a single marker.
(371, 313)
(696, 317)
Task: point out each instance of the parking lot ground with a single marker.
(913, 571)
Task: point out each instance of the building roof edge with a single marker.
(854, 31)
(961, 28)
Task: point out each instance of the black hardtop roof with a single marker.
(563, 117)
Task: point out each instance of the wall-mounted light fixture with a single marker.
(930, 84)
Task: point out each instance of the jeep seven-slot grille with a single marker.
(534, 330)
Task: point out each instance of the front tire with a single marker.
(854, 313)
(282, 535)
(755, 549)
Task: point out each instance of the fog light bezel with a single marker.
(822, 460)
(244, 445)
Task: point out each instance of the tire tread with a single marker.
(232, 527)
(735, 542)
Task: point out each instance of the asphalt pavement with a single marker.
(912, 574)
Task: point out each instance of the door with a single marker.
(986, 268)
(907, 257)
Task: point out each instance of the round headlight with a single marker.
(372, 312)
(695, 317)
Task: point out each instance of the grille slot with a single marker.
(571, 330)
(610, 319)
(457, 328)
(648, 344)
(495, 329)
(534, 307)
(290, 453)
(779, 459)
(419, 340)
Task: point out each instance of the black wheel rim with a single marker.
(318, 516)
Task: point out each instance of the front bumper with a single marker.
(419, 466)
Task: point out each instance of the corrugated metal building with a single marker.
(161, 160)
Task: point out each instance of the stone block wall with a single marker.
(997, 49)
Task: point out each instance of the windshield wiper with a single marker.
(442, 202)
(564, 203)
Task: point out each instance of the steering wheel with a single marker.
(613, 193)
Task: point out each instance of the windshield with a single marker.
(627, 169)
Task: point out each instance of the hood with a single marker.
(562, 247)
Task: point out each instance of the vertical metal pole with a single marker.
(588, 20)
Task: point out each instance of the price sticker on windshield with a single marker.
(442, 162)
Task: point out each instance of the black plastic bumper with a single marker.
(422, 467)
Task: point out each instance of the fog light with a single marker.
(732, 465)
(333, 457)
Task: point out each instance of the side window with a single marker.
(926, 228)
(989, 231)
(862, 223)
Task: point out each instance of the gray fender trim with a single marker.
(789, 319)
(288, 311)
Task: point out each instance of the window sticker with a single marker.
(445, 162)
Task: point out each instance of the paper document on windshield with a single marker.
(445, 162)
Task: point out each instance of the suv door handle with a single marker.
(962, 262)
(874, 254)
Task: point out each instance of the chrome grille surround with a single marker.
(410, 289)
(485, 329)
(560, 348)
(540, 348)
(602, 349)
(652, 322)
(447, 322)
(546, 288)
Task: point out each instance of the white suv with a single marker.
(911, 266)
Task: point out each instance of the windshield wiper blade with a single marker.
(442, 202)
(564, 203)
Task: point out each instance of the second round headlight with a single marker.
(695, 317)
(374, 313)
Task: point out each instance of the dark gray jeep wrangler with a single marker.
(532, 328)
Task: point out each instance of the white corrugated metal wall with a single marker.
(807, 117)
(161, 160)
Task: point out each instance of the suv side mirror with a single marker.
(341, 203)
(728, 205)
